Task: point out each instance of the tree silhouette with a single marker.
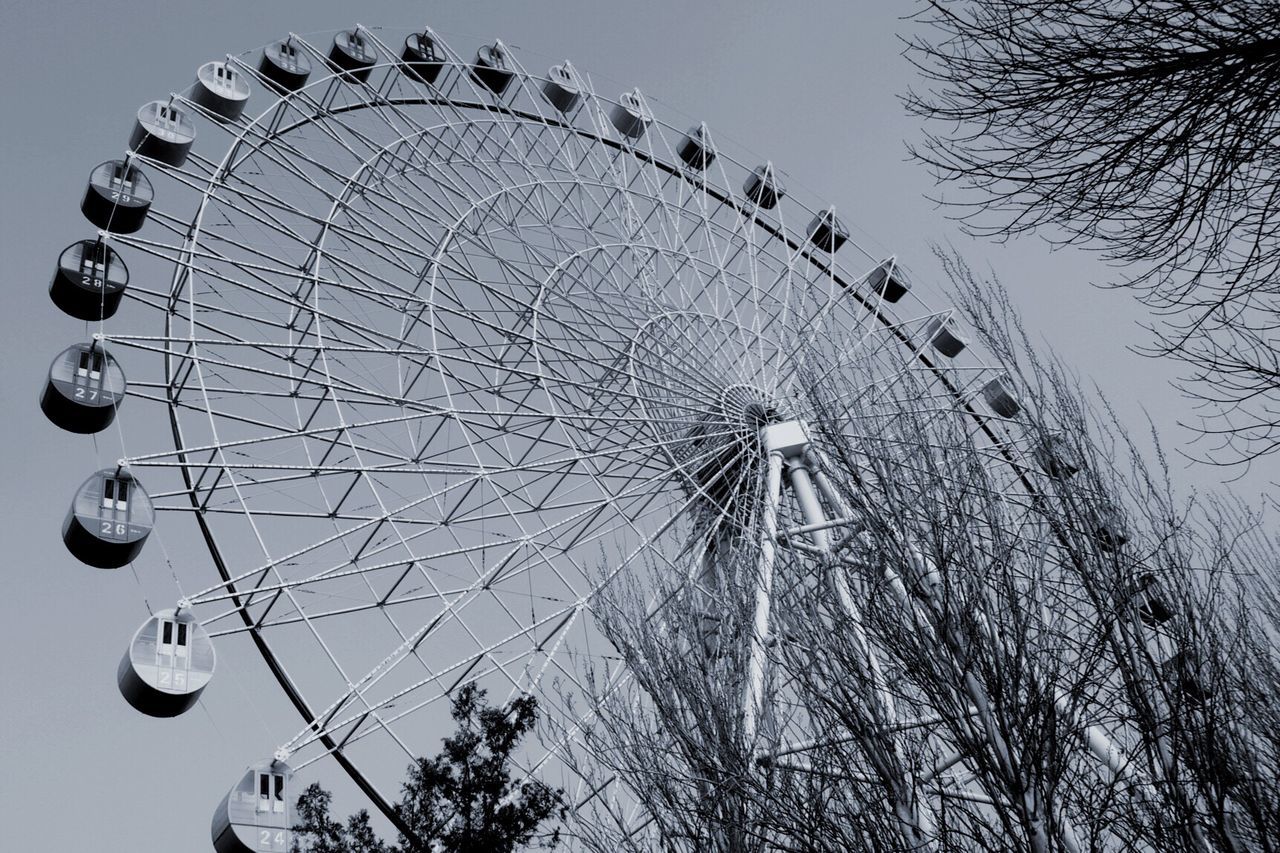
(1142, 128)
(1058, 652)
(461, 801)
(323, 834)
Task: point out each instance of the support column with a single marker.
(753, 694)
(929, 581)
(916, 823)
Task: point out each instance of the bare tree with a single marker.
(1054, 653)
(670, 724)
(955, 589)
(1173, 587)
(1146, 129)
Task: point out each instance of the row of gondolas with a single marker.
(171, 657)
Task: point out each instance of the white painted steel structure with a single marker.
(441, 361)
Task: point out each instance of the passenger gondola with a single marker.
(163, 132)
(110, 519)
(84, 390)
(1056, 458)
(284, 66)
(943, 334)
(1187, 678)
(827, 232)
(422, 58)
(118, 197)
(1000, 398)
(352, 55)
(562, 88)
(493, 68)
(254, 816)
(222, 90)
(631, 116)
(889, 281)
(90, 280)
(167, 665)
(1153, 608)
(763, 187)
(1109, 529)
(695, 150)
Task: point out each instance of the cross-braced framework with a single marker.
(884, 639)
(442, 362)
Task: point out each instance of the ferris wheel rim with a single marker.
(787, 238)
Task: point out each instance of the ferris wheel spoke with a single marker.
(410, 645)
(391, 296)
(736, 238)
(290, 159)
(553, 466)
(606, 578)
(444, 361)
(533, 279)
(559, 619)
(657, 181)
(262, 572)
(373, 486)
(333, 197)
(289, 595)
(333, 509)
(258, 207)
(387, 111)
(370, 396)
(246, 198)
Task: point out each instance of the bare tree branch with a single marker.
(1147, 130)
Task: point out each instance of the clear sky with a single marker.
(812, 86)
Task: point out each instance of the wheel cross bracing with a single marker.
(442, 362)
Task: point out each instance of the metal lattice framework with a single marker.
(440, 363)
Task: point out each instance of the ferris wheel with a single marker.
(445, 345)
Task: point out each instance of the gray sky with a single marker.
(811, 86)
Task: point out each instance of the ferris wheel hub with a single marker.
(749, 407)
(789, 439)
